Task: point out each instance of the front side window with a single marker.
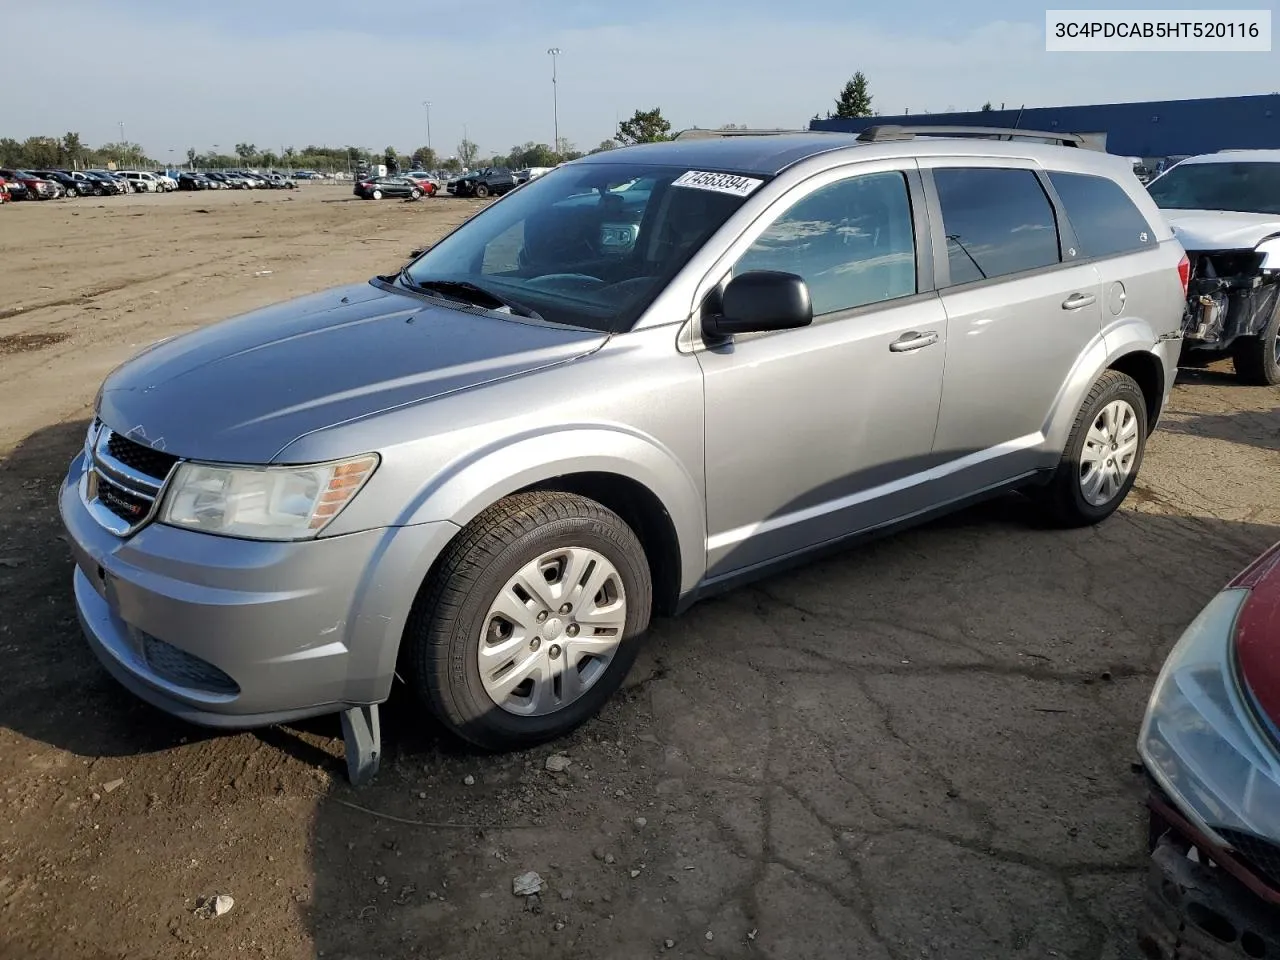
(852, 241)
(1238, 186)
(1105, 221)
(997, 222)
(588, 244)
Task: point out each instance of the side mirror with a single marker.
(758, 301)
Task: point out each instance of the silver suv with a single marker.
(644, 377)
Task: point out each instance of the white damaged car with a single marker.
(1225, 209)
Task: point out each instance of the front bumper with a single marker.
(238, 633)
(1214, 882)
(1196, 911)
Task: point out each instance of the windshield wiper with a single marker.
(471, 293)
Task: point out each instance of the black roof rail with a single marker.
(883, 133)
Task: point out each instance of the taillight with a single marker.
(1184, 273)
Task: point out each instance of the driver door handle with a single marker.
(1078, 300)
(914, 340)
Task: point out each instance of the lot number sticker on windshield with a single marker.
(718, 182)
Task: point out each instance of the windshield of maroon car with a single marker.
(589, 244)
(1238, 186)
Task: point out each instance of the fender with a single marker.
(1125, 336)
(462, 489)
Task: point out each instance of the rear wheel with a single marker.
(1257, 359)
(1102, 456)
(482, 190)
(376, 195)
(531, 621)
(415, 193)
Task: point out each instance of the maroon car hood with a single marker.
(1258, 631)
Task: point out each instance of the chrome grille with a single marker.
(124, 479)
(154, 463)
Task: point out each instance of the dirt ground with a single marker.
(923, 748)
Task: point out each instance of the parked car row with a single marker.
(24, 184)
(234, 180)
(53, 184)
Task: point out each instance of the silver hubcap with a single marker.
(552, 631)
(1110, 448)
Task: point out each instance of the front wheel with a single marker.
(1102, 456)
(376, 195)
(481, 191)
(1257, 359)
(531, 621)
(415, 194)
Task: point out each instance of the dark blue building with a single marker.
(1158, 128)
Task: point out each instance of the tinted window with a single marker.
(1104, 218)
(852, 241)
(588, 244)
(1249, 186)
(997, 222)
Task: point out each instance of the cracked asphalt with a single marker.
(921, 748)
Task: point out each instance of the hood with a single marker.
(242, 390)
(1257, 632)
(1221, 229)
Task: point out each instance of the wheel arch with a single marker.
(1148, 371)
(1129, 347)
(632, 475)
(642, 511)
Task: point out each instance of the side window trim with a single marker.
(941, 259)
(1067, 239)
(922, 229)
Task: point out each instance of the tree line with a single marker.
(69, 152)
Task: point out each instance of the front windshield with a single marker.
(1245, 187)
(588, 244)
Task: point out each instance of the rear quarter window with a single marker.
(1105, 220)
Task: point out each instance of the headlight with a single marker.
(1199, 737)
(1270, 250)
(263, 503)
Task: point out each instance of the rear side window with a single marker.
(996, 221)
(1105, 220)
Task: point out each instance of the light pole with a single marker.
(427, 105)
(122, 131)
(555, 98)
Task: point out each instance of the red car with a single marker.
(34, 188)
(428, 185)
(1210, 745)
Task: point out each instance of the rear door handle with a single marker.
(1078, 300)
(914, 340)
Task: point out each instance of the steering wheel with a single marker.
(573, 281)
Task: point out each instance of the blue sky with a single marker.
(321, 71)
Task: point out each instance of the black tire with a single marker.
(1062, 499)
(1257, 359)
(482, 190)
(375, 195)
(440, 642)
(415, 194)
